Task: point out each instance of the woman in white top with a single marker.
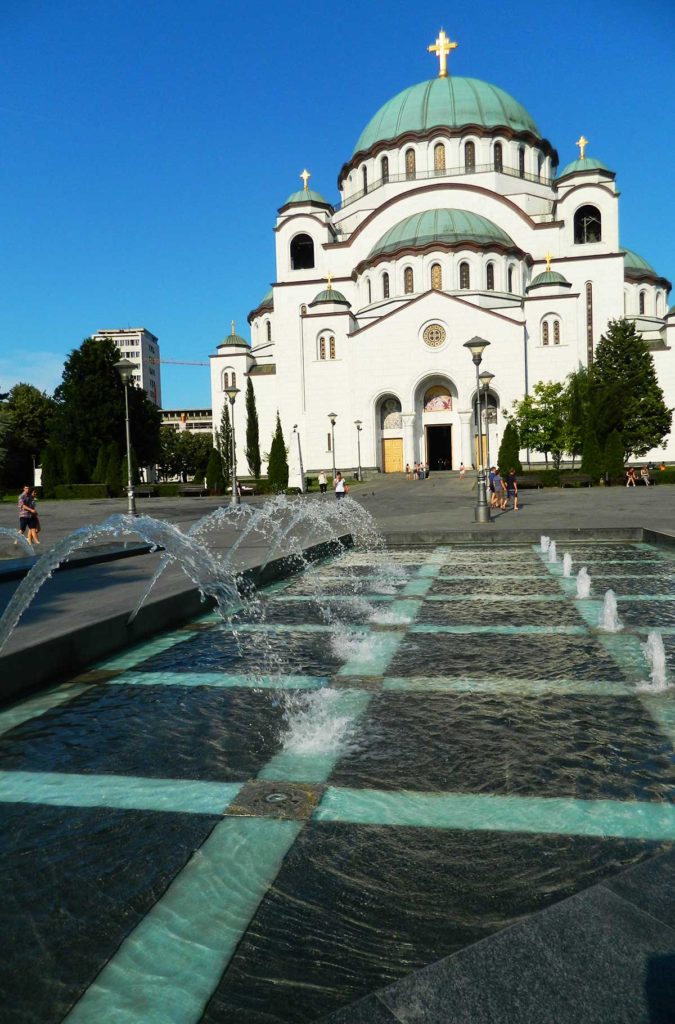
(340, 486)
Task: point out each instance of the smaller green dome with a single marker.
(631, 261)
(330, 295)
(306, 196)
(589, 163)
(267, 300)
(444, 226)
(548, 277)
(233, 340)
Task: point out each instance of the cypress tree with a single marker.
(98, 476)
(614, 456)
(113, 469)
(252, 432)
(214, 473)
(224, 445)
(509, 450)
(592, 461)
(52, 469)
(277, 466)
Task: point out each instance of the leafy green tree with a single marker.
(252, 432)
(614, 455)
(277, 466)
(30, 413)
(98, 476)
(592, 461)
(215, 480)
(113, 469)
(578, 410)
(91, 409)
(541, 420)
(625, 391)
(52, 468)
(224, 444)
(509, 449)
(168, 462)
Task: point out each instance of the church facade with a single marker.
(454, 221)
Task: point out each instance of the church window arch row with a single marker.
(498, 156)
(408, 281)
(229, 378)
(551, 330)
(439, 158)
(268, 330)
(587, 225)
(436, 277)
(490, 276)
(464, 275)
(469, 157)
(302, 252)
(410, 161)
(384, 169)
(385, 285)
(642, 302)
(521, 161)
(326, 347)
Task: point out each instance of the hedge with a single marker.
(79, 491)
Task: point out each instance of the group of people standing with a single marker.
(420, 471)
(339, 484)
(503, 489)
(29, 520)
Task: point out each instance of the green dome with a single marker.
(330, 295)
(267, 300)
(306, 196)
(631, 261)
(588, 164)
(233, 340)
(448, 227)
(548, 277)
(446, 103)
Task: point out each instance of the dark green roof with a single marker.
(330, 295)
(445, 103)
(631, 261)
(589, 163)
(233, 340)
(445, 226)
(548, 277)
(306, 196)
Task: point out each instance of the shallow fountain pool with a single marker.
(404, 753)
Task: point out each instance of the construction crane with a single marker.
(179, 362)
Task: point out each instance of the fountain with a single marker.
(552, 553)
(655, 655)
(583, 583)
(567, 564)
(610, 621)
(544, 543)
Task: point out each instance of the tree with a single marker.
(215, 480)
(91, 408)
(252, 432)
(52, 468)
(625, 391)
(113, 469)
(168, 462)
(30, 413)
(277, 466)
(577, 396)
(614, 456)
(98, 476)
(509, 450)
(224, 444)
(541, 420)
(592, 461)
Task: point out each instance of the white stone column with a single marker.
(409, 457)
(467, 453)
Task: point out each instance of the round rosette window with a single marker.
(434, 335)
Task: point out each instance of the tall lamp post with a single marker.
(486, 379)
(126, 368)
(359, 427)
(235, 499)
(332, 416)
(476, 347)
(302, 471)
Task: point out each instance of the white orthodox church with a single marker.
(454, 221)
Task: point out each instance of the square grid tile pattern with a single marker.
(269, 823)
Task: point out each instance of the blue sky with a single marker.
(147, 146)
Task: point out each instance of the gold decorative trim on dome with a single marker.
(442, 47)
(581, 143)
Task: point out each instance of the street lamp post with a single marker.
(486, 379)
(235, 499)
(332, 416)
(476, 347)
(302, 471)
(359, 426)
(126, 368)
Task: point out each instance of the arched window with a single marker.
(370, 291)
(587, 225)
(409, 164)
(322, 347)
(498, 157)
(469, 157)
(556, 332)
(464, 276)
(384, 166)
(303, 310)
(490, 277)
(226, 380)
(436, 276)
(385, 286)
(234, 379)
(659, 303)
(642, 301)
(439, 158)
(544, 333)
(331, 348)
(302, 253)
(540, 164)
(364, 173)
(509, 285)
(268, 329)
(390, 414)
(408, 281)
(521, 161)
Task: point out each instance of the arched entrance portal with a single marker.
(436, 410)
(390, 421)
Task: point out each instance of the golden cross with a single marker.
(548, 257)
(305, 177)
(330, 282)
(442, 48)
(581, 143)
(233, 327)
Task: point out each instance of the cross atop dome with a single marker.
(548, 257)
(581, 143)
(305, 178)
(442, 47)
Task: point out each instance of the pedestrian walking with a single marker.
(462, 471)
(34, 526)
(498, 484)
(323, 482)
(26, 508)
(341, 489)
(511, 489)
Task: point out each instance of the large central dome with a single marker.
(446, 103)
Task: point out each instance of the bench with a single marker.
(193, 491)
(530, 481)
(575, 480)
(143, 491)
